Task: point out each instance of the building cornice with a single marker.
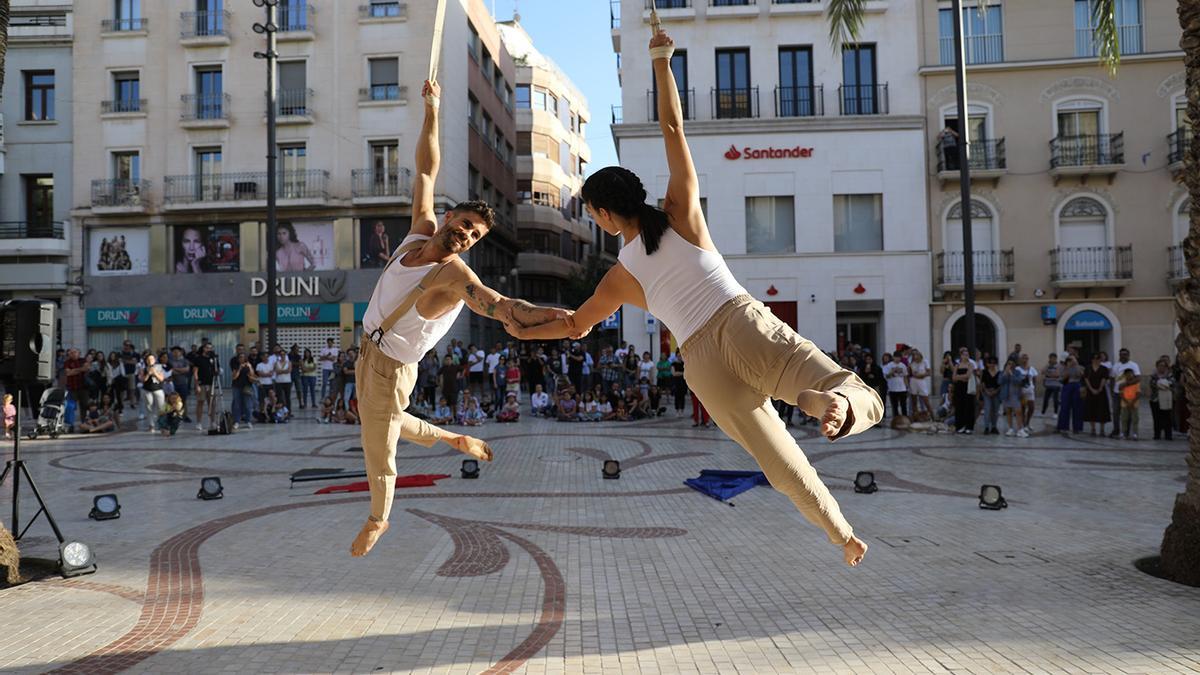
(777, 125)
(1003, 66)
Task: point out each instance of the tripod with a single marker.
(16, 465)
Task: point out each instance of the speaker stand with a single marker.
(17, 467)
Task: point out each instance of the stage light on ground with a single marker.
(210, 488)
(864, 483)
(612, 468)
(75, 558)
(470, 468)
(991, 498)
(105, 507)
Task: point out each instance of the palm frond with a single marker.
(845, 21)
(1105, 36)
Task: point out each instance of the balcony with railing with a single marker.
(123, 106)
(1129, 36)
(205, 111)
(384, 94)
(978, 48)
(687, 100)
(795, 7)
(295, 21)
(618, 115)
(237, 190)
(672, 10)
(863, 99)
(1091, 266)
(22, 238)
(370, 186)
(800, 101)
(990, 269)
(126, 25)
(118, 195)
(734, 103)
(731, 8)
(1176, 268)
(986, 159)
(293, 106)
(1177, 147)
(204, 28)
(1091, 154)
(383, 11)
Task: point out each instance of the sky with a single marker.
(579, 40)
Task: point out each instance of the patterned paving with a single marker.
(541, 566)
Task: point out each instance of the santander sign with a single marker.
(767, 153)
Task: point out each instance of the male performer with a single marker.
(416, 300)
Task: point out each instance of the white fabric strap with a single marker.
(433, 101)
(661, 52)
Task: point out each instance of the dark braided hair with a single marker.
(620, 191)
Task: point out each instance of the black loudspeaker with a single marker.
(27, 329)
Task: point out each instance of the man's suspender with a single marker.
(376, 335)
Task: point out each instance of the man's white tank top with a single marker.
(684, 284)
(413, 335)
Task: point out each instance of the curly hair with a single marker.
(479, 208)
(620, 191)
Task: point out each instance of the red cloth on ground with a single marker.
(416, 480)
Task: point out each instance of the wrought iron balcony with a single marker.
(124, 25)
(293, 102)
(734, 102)
(1176, 270)
(245, 186)
(383, 92)
(118, 192)
(204, 24)
(1129, 37)
(1177, 145)
(123, 105)
(1091, 265)
(294, 17)
(16, 229)
(383, 10)
(800, 101)
(731, 3)
(990, 268)
(669, 4)
(984, 155)
(979, 49)
(1087, 150)
(367, 183)
(202, 107)
(687, 101)
(863, 99)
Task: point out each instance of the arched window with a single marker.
(988, 265)
(1084, 251)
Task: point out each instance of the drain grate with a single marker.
(1011, 557)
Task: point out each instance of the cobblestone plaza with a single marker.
(542, 566)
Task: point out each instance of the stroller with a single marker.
(51, 411)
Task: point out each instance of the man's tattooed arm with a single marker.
(487, 302)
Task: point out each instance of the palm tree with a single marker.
(1180, 548)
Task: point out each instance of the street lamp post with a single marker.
(269, 29)
(964, 178)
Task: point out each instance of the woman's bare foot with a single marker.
(854, 550)
(370, 533)
(826, 406)
(469, 445)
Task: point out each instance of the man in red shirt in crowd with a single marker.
(76, 369)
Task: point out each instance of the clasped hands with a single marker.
(521, 331)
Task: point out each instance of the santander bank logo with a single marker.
(748, 152)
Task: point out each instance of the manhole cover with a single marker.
(897, 542)
(559, 458)
(1011, 557)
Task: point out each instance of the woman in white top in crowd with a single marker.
(919, 385)
(739, 355)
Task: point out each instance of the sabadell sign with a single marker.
(768, 153)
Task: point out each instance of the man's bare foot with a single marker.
(370, 533)
(854, 550)
(826, 406)
(469, 445)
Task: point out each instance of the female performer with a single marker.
(739, 355)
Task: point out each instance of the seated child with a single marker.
(94, 421)
(473, 416)
(540, 402)
(511, 412)
(171, 416)
(591, 409)
(605, 408)
(443, 414)
(326, 415)
(281, 413)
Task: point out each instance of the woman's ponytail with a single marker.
(653, 223)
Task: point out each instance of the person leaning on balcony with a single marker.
(948, 142)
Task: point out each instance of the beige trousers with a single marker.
(383, 386)
(742, 357)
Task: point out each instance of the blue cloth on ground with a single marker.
(723, 485)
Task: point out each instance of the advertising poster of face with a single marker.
(379, 237)
(118, 251)
(304, 247)
(200, 249)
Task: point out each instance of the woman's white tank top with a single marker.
(684, 284)
(413, 335)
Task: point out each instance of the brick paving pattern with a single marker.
(541, 566)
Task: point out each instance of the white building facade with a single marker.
(810, 161)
